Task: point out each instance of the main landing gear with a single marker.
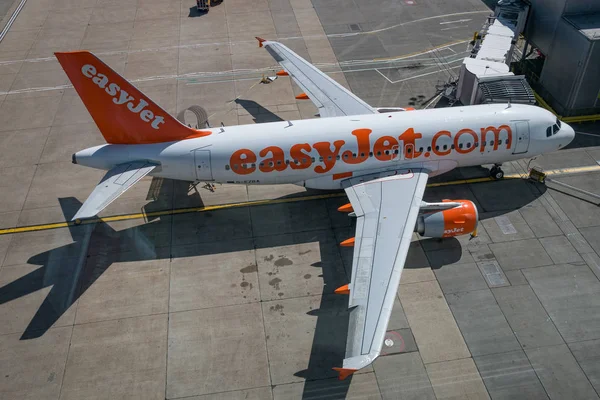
(496, 172)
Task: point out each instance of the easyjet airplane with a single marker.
(382, 158)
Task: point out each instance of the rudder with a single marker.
(123, 113)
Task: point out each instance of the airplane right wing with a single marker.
(115, 183)
(386, 209)
(330, 98)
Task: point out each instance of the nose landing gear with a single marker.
(496, 172)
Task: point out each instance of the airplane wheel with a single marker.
(496, 173)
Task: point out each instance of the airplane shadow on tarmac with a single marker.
(71, 269)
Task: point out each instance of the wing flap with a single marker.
(386, 210)
(330, 98)
(115, 183)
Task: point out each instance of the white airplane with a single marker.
(381, 158)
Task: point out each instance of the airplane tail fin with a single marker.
(123, 114)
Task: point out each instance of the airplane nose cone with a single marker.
(569, 134)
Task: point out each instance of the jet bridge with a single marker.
(485, 76)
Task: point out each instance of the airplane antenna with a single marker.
(508, 103)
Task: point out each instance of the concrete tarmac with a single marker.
(237, 302)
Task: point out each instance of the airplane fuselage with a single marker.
(321, 153)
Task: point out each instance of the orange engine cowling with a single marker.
(460, 220)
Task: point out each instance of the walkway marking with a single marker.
(254, 203)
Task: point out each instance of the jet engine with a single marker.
(448, 218)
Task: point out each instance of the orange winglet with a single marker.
(344, 372)
(346, 208)
(302, 96)
(282, 73)
(342, 290)
(347, 243)
(260, 41)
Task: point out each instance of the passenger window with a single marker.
(270, 164)
(262, 164)
(346, 156)
(227, 167)
(468, 145)
(445, 146)
(437, 147)
(452, 146)
(313, 159)
(278, 163)
(500, 141)
(396, 151)
(371, 154)
(408, 150)
(320, 158)
(378, 153)
(428, 148)
(362, 154)
(421, 149)
(337, 157)
(460, 145)
(253, 165)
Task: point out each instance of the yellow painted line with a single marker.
(254, 203)
(569, 120)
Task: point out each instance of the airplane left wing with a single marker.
(386, 209)
(115, 183)
(330, 98)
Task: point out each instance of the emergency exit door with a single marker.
(521, 137)
(202, 164)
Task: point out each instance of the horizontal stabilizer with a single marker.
(115, 183)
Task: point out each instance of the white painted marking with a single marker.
(389, 342)
(588, 134)
(12, 19)
(454, 27)
(505, 225)
(453, 22)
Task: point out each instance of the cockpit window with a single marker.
(552, 130)
(558, 123)
(549, 131)
(555, 129)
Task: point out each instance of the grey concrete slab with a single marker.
(398, 319)
(593, 261)
(34, 369)
(211, 226)
(132, 349)
(306, 337)
(569, 293)
(125, 290)
(575, 237)
(516, 277)
(481, 322)
(360, 386)
(285, 218)
(560, 374)
(560, 250)
(591, 234)
(425, 307)
(460, 278)
(247, 394)
(492, 273)
(538, 219)
(23, 147)
(580, 210)
(509, 376)
(516, 194)
(520, 254)
(564, 159)
(448, 257)
(21, 112)
(236, 333)
(227, 278)
(456, 379)
(587, 355)
(527, 317)
(403, 376)
(33, 298)
(506, 227)
(300, 264)
(7, 220)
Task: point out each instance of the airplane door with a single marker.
(522, 137)
(202, 164)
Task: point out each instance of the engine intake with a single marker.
(456, 221)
